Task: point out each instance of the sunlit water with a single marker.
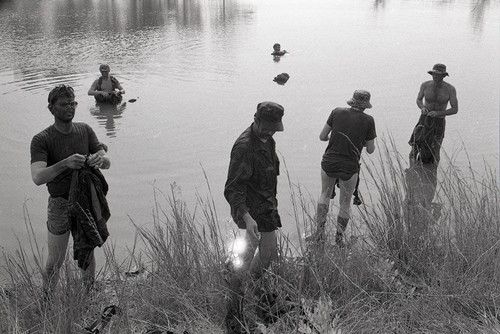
(198, 70)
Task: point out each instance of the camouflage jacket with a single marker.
(251, 184)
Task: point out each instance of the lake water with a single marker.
(198, 70)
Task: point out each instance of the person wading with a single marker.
(347, 131)
(427, 136)
(106, 88)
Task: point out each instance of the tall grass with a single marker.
(442, 277)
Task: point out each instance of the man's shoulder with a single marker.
(44, 133)
(340, 110)
(427, 83)
(244, 137)
(448, 86)
(81, 125)
(368, 117)
(244, 141)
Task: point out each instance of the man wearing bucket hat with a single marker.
(427, 136)
(347, 131)
(250, 189)
(106, 89)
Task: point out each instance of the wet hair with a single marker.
(60, 91)
(276, 46)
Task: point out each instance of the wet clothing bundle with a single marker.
(252, 180)
(426, 139)
(88, 212)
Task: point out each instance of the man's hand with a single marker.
(424, 111)
(95, 160)
(103, 94)
(75, 161)
(251, 226)
(433, 113)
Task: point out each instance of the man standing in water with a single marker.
(106, 89)
(250, 189)
(348, 131)
(427, 137)
(55, 153)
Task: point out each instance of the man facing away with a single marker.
(427, 137)
(106, 89)
(251, 189)
(55, 152)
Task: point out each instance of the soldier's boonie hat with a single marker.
(438, 69)
(270, 113)
(360, 99)
(104, 67)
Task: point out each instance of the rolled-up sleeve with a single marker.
(235, 190)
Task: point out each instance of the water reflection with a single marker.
(106, 115)
(57, 38)
(477, 15)
(379, 4)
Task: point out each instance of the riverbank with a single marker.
(442, 277)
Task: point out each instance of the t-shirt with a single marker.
(52, 146)
(350, 131)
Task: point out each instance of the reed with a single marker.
(403, 270)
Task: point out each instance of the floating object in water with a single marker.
(132, 100)
(281, 79)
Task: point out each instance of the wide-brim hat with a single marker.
(360, 99)
(270, 114)
(438, 69)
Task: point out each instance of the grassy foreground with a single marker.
(402, 273)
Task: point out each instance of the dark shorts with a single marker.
(57, 216)
(339, 169)
(268, 222)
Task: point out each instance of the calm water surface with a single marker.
(198, 70)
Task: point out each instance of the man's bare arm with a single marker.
(420, 100)
(42, 174)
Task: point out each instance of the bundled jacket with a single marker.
(88, 212)
(425, 139)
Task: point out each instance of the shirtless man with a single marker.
(432, 99)
(437, 94)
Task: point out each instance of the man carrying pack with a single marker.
(106, 89)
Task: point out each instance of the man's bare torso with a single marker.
(436, 96)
